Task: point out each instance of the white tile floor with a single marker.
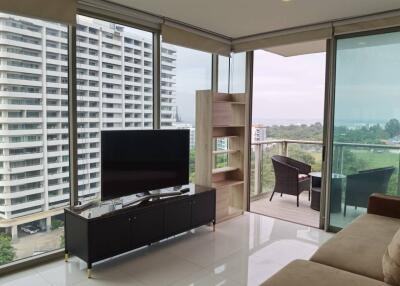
(243, 251)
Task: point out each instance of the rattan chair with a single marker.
(361, 185)
(291, 177)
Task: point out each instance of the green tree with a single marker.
(393, 127)
(7, 251)
(62, 241)
(56, 223)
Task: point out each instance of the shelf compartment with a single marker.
(224, 170)
(228, 114)
(232, 131)
(230, 202)
(217, 152)
(229, 102)
(236, 98)
(228, 126)
(230, 213)
(226, 183)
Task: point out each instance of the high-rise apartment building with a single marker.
(258, 132)
(114, 91)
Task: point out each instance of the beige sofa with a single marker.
(353, 257)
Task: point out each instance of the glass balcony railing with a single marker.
(348, 159)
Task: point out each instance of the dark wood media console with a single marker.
(107, 230)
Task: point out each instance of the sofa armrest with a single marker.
(384, 205)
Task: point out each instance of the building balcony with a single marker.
(21, 181)
(112, 51)
(9, 42)
(62, 197)
(10, 68)
(16, 56)
(57, 50)
(111, 61)
(21, 144)
(58, 39)
(21, 206)
(20, 120)
(19, 194)
(113, 71)
(24, 169)
(17, 30)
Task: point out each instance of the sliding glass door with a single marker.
(366, 123)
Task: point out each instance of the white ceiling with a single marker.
(239, 18)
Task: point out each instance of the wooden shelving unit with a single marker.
(222, 116)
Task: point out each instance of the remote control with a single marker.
(184, 191)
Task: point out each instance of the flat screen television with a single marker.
(136, 161)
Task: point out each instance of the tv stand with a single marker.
(107, 230)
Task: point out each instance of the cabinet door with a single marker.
(109, 236)
(203, 208)
(148, 226)
(178, 216)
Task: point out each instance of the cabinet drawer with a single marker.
(178, 217)
(203, 208)
(147, 226)
(109, 237)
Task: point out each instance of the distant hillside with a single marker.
(296, 132)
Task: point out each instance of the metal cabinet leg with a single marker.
(89, 270)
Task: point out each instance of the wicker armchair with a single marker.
(360, 186)
(291, 177)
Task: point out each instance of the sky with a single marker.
(193, 72)
(288, 89)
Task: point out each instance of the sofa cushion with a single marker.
(391, 261)
(307, 273)
(359, 248)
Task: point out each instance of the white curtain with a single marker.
(195, 40)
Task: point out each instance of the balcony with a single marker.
(348, 159)
(263, 180)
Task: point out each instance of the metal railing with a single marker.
(338, 158)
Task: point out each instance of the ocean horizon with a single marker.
(310, 121)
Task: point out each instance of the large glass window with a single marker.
(183, 72)
(34, 166)
(223, 73)
(237, 78)
(115, 90)
(232, 73)
(366, 124)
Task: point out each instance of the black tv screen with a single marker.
(134, 161)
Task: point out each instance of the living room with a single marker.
(127, 152)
